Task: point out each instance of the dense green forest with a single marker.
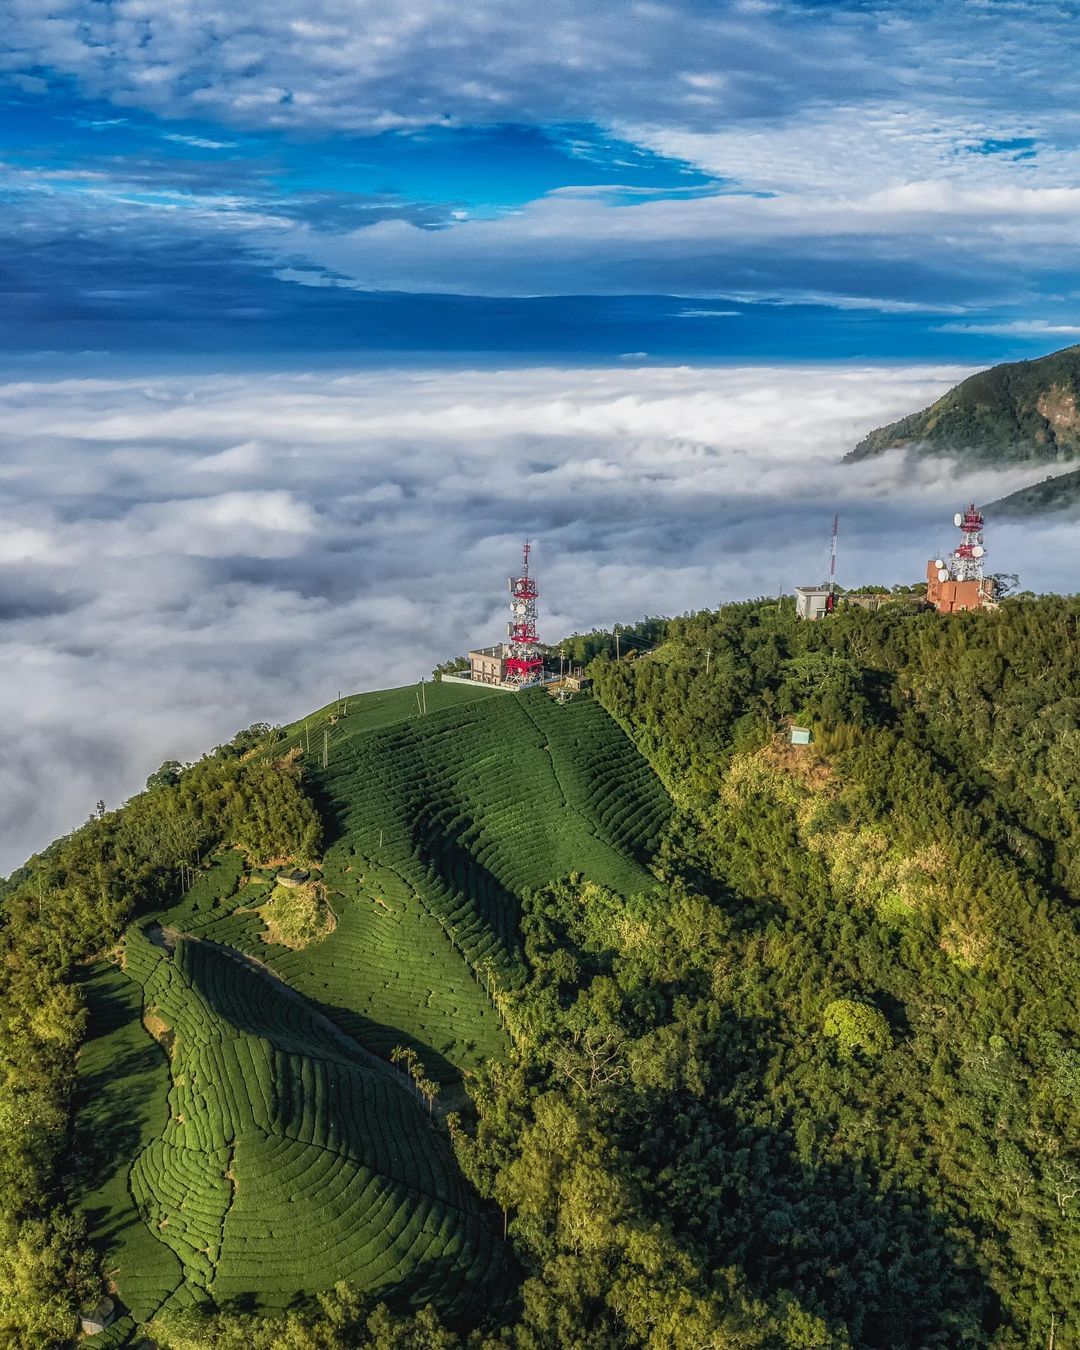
(800, 1069)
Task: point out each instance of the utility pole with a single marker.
(708, 658)
(616, 642)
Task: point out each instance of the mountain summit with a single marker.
(1012, 413)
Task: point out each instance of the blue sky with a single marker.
(685, 180)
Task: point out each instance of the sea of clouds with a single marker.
(182, 556)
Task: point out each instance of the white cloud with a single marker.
(187, 555)
(259, 524)
(1016, 328)
(198, 142)
(246, 458)
(881, 143)
(362, 64)
(916, 243)
(23, 543)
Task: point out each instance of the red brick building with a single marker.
(950, 596)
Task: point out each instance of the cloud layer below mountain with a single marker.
(182, 556)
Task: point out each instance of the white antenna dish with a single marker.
(940, 563)
(943, 574)
(958, 519)
(978, 551)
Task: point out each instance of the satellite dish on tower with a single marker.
(958, 519)
(978, 551)
(940, 563)
(943, 574)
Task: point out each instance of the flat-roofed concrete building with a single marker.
(811, 602)
(487, 665)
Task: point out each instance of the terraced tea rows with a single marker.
(387, 974)
(272, 1149)
(473, 805)
(391, 977)
(289, 1159)
(381, 708)
(121, 1107)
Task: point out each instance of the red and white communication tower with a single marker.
(524, 664)
(966, 561)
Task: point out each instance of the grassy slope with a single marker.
(435, 826)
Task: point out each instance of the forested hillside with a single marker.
(1059, 492)
(1021, 410)
(792, 1062)
(882, 1094)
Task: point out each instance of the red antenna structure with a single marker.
(524, 664)
(967, 558)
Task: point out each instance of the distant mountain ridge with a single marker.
(1060, 492)
(1012, 413)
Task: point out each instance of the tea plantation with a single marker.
(472, 805)
(241, 1133)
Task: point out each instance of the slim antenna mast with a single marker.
(830, 600)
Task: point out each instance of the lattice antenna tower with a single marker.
(966, 561)
(524, 664)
